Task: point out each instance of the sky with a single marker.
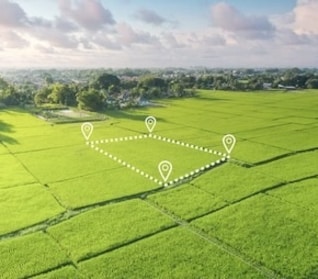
(158, 34)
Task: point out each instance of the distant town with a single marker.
(100, 89)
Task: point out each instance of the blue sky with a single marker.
(144, 33)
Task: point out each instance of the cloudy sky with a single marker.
(163, 33)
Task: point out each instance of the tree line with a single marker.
(100, 89)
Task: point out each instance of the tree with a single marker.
(152, 86)
(177, 89)
(219, 82)
(312, 83)
(62, 94)
(9, 96)
(188, 81)
(129, 84)
(104, 81)
(3, 83)
(154, 92)
(48, 79)
(255, 84)
(16, 94)
(91, 100)
(205, 82)
(113, 89)
(41, 97)
(149, 81)
(26, 92)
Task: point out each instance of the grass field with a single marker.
(99, 209)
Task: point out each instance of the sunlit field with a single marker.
(99, 208)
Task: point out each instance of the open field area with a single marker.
(71, 208)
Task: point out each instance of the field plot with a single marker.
(97, 231)
(64, 163)
(289, 242)
(173, 254)
(25, 206)
(13, 173)
(186, 159)
(187, 201)
(232, 182)
(295, 167)
(301, 140)
(46, 137)
(101, 186)
(303, 194)
(252, 153)
(272, 130)
(29, 255)
(70, 115)
(76, 209)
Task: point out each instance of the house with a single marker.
(267, 85)
(287, 87)
(142, 102)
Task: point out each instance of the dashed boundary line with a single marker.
(95, 145)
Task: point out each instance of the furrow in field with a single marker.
(87, 174)
(252, 195)
(67, 271)
(120, 246)
(29, 255)
(47, 271)
(216, 242)
(276, 158)
(69, 214)
(45, 149)
(37, 179)
(287, 233)
(285, 156)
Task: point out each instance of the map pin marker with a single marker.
(87, 130)
(165, 169)
(229, 142)
(150, 123)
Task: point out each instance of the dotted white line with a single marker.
(129, 166)
(224, 156)
(156, 137)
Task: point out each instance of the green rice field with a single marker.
(100, 208)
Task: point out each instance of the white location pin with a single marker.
(150, 122)
(229, 142)
(165, 169)
(87, 130)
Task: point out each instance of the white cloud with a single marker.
(289, 37)
(65, 25)
(54, 37)
(102, 40)
(89, 14)
(305, 16)
(85, 32)
(127, 36)
(229, 19)
(10, 39)
(11, 14)
(150, 16)
(171, 41)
